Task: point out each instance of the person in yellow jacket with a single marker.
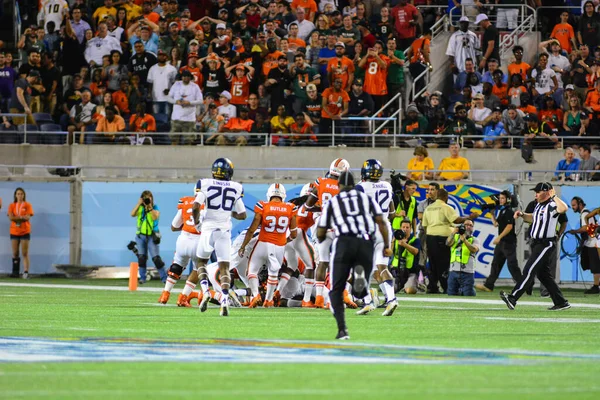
(463, 250)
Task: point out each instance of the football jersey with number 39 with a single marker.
(219, 198)
(276, 219)
(185, 207)
(380, 191)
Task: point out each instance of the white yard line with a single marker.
(418, 299)
(550, 320)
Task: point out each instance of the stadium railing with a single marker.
(491, 11)
(167, 174)
(352, 132)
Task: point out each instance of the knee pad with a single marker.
(142, 261)
(158, 262)
(175, 270)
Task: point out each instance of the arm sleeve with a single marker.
(177, 220)
(239, 206)
(324, 220)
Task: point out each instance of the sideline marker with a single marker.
(133, 276)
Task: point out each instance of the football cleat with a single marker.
(507, 300)
(390, 308)
(234, 299)
(268, 304)
(308, 304)
(348, 301)
(224, 308)
(375, 296)
(343, 335)
(194, 295)
(320, 302)
(203, 303)
(164, 297)
(277, 298)
(366, 309)
(255, 302)
(182, 301)
(360, 284)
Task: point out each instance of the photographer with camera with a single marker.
(588, 228)
(438, 221)
(406, 257)
(147, 237)
(407, 206)
(505, 242)
(463, 248)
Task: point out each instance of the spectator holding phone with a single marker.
(19, 214)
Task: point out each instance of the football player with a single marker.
(275, 217)
(381, 192)
(324, 189)
(300, 247)
(222, 199)
(185, 250)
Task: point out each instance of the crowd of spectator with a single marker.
(252, 72)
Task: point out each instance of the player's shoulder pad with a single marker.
(359, 187)
(198, 186)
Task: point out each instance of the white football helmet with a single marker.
(305, 190)
(338, 166)
(276, 190)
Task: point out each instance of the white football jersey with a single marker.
(241, 264)
(220, 198)
(380, 191)
(55, 11)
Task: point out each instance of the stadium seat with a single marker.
(32, 138)
(42, 118)
(49, 138)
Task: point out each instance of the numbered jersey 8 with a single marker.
(326, 189)
(219, 198)
(380, 191)
(276, 219)
(184, 211)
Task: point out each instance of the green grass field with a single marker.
(437, 350)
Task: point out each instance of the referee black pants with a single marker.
(504, 252)
(539, 264)
(439, 262)
(348, 252)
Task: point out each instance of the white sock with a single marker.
(204, 286)
(308, 289)
(241, 292)
(218, 296)
(326, 294)
(388, 290)
(170, 283)
(382, 287)
(285, 278)
(320, 286)
(189, 287)
(253, 283)
(271, 285)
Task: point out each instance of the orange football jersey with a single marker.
(376, 77)
(304, 219)
(240, 89)
(276, 219)
(185, 205)
(326, 189)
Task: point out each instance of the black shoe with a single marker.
(359, 286)
(544, 293)
(509, 302)
(529, 291)
(564, 306)
(343, 335)
(593, 290)
(431, 291)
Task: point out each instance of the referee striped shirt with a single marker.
(545, 219)
(351, 213)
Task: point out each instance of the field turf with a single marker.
(428, 349)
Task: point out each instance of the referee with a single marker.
(543, 241)
(353, 216)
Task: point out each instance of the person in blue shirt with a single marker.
(493, 131)
(461, 78)
(489, 74)
(569, 163)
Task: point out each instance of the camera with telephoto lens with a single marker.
(399, 234)
(146, 200)
(461, 229)
(512, 201)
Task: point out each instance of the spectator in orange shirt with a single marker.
(142, 122)
(309, 6)
(302, 134)
(516, 90)
(551, 114)
(19, 214)
(120, 98)
(376, 65)
(241, 124)
(240, 83)
(109, 126)
(334, 106)
(341, 67)
(592, 101)
(564, 33)
(294, 41)
(518, 67)
(500, 89)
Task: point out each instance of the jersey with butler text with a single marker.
(219, 198)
